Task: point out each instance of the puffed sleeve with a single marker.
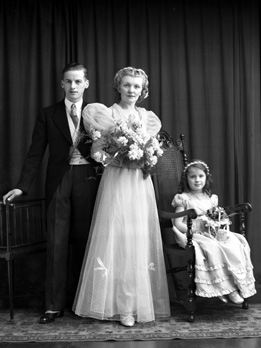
(214, 200)
(153, 123)
(180, 200)
(98, 117)
(181, 238)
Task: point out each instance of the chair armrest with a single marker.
(238, 209)
(165, 221)
(169, 215)
(19, 202)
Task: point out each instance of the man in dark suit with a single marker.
(71, 184)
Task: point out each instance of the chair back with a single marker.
(22, 224)
(22, 232)
(168, 171)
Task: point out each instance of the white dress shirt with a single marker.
(76, 157)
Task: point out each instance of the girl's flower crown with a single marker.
(196, 162)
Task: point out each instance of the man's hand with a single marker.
(11, 195)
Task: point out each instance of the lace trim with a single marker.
(244, 294)
(223, 265)
(213, 281)
(214, 294)
(210, 268)
(246, 281)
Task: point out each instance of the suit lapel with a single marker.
(60, 119)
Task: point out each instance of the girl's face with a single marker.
(196, 179)
(130, 89)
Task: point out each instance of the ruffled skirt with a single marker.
(123, 271)
(221, 267)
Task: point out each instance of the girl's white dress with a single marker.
(221, 267)
(123, 270)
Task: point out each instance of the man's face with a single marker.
(74, 83)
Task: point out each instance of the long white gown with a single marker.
(221, 267)
(123, 270)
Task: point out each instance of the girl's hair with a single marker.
(184, 186)
(130, 71)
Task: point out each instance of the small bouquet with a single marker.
(217, 223)
(127, 145)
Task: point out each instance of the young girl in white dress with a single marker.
(123, 274)
(223, 266)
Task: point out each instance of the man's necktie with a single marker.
(73, 115)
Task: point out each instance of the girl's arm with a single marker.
(179, 222)
(182, 225)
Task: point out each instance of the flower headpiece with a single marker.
(196, 162)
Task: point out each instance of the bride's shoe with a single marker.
(223, 299)
(235, 297)
(127, 320)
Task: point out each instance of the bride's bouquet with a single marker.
(127, 145)
(217, 223)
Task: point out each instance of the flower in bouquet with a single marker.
(128, 145)
(95, 134)
(215, 220)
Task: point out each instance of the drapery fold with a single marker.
(203, 62)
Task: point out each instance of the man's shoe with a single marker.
(49, 317)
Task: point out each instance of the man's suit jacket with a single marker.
(52, 129)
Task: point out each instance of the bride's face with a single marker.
(130, 89)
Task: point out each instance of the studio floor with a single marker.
(214, 343)
(177, 343)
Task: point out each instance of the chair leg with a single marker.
(191, 299)
(190, 305)
(10, 285)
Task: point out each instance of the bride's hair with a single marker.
(130, 71)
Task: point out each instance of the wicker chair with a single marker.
(179, 261)
(22, 232)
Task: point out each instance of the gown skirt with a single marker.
(123, 270)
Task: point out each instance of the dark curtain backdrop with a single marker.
(203, 62)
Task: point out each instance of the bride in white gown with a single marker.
(123, 274)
